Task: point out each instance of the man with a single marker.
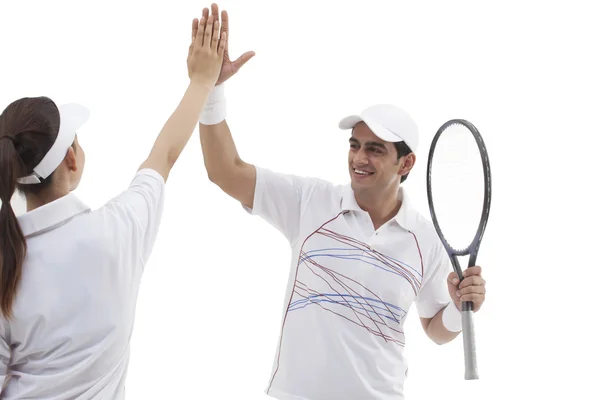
(361, 256)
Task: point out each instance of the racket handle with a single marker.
(469, 345)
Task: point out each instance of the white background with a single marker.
(525, 73)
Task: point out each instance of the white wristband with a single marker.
(452, 318)
(215, 109)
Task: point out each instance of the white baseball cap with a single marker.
(388, 122)
(72, 117)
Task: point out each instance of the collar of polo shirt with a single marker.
(51, 215)
(406, 216)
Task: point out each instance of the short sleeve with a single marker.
(281, 200)
(434, 295)
(140, 209)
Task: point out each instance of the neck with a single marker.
(381, 206)
(45, 197)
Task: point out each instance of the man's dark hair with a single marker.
(403, 150)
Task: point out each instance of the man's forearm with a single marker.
(221, 160)
(436, 329)
(218, 147)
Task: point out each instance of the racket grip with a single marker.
(469, 345)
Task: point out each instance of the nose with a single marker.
(360, 158)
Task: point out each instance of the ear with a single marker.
(71, 160)
(407, 163)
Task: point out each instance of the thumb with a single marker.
(453, 278)
(243, 59)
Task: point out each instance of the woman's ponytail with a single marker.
(12, 242)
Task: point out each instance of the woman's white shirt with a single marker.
(75, 306)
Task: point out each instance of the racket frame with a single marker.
(473, 249)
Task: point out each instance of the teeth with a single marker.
(361, 172)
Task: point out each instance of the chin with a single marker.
(356, 185)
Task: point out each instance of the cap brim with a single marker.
(349, 122)
(382, 133)
(73, 116)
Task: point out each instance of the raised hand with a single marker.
(205, 56)
(229, 68)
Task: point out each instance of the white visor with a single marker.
(72, 117)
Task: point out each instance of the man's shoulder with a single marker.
(310, 185)
(323, 192)
(422, 226)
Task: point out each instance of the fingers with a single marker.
(475, 270)
(470, 290)
(205, 18)
(472, 281)
(476, 298)
(222, 44)
(453, 278)
(200, 33)
(208, 31)
(195, 23)
(225, 21)
(205, 33)
(215, 36)
(243, 59)
(214, 8)
(194, 29)
(215, 11)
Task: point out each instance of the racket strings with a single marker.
(457, 185)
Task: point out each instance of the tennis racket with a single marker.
(459, 192)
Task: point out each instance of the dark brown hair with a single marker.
(28, 128)
(403, 150)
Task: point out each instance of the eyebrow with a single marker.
(371, 143)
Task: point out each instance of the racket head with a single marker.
(464, 133)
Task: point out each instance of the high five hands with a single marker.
(205, 55)
(229, 68)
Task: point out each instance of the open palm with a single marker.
(229, 68)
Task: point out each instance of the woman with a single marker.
(69, 276)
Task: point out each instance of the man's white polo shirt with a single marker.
(349, 291)
(74, 311)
